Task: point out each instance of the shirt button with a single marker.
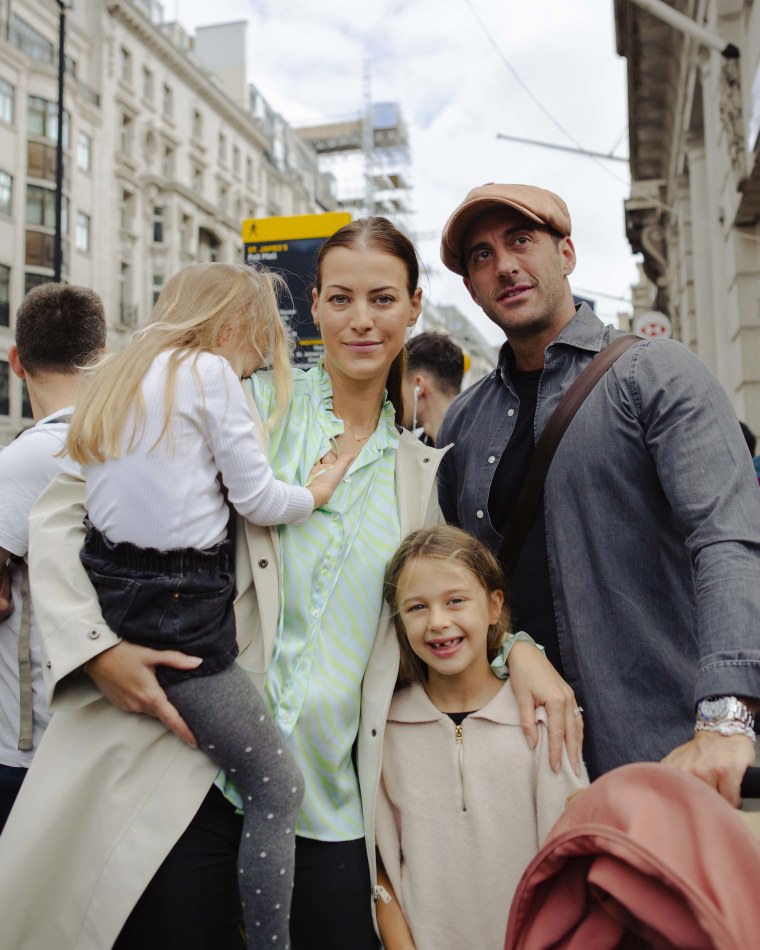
(334, 516)
(510, 412)
(347, 479)
(263, 562)
(315, 613)
(93, 634)
(285, 717)
(479, 513)
(491, 459)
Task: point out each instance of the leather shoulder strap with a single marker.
(543, 453)
(26, 712)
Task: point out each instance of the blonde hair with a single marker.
(452, 545)
(194, 307)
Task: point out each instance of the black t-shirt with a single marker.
(531, 599)
(458, 718)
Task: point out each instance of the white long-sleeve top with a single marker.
(167, 496)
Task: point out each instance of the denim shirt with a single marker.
(653, 533)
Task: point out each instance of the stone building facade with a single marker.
(694, 209)
(161, 162)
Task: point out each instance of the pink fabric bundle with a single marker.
(646, 857)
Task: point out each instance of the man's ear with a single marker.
(567, 250)
(15, 362)
(420, 385)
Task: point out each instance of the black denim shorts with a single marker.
(167, 600)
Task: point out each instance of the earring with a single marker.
(415, 398)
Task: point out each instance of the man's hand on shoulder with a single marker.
(535, 682)
(721, 761)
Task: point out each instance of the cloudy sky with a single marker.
(463, 71)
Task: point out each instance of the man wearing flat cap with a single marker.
(640, 573)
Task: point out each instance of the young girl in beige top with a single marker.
(464, 803)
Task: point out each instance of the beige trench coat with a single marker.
(109, 793)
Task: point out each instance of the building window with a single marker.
(249, 171)
(39, 249)
(5, 388)
(5, 295)
(84, 152)
(125, 60)
(26, 402)
(82, 236)
(7, 102)
(158, 283)
(42, 119)
(34, 280)
(158, 224)
(223, 195)
(6, 193)
(40, 208)
(197, 125)
(33, 44)
(150, 147)
(127, 310)
(147, 84)
(236, 159)
(198, 180)
(167, 164)
(41, 160)
(186, 233)
(222, 148)
(126, 210)
(168, 101)
(125, 133)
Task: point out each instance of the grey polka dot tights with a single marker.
(233, 727)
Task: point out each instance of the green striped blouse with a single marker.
(332, 569)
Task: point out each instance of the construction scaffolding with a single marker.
(369, 158)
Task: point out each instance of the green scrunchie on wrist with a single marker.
(499, 662)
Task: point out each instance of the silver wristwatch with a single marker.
(725, 715)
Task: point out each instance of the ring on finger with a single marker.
(578, 710)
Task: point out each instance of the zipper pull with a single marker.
(460, 743)
(380, 893)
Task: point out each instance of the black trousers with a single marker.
(11, 777)
(192, 903)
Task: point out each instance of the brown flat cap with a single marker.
(537, 204)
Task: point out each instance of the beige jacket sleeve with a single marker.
(552, 790)
(71, 625)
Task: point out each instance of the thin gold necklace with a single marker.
(359, 438)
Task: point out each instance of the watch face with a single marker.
(714, 709)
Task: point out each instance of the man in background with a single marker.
(59, 328)
(435, 367)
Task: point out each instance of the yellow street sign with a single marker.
(293, 227)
